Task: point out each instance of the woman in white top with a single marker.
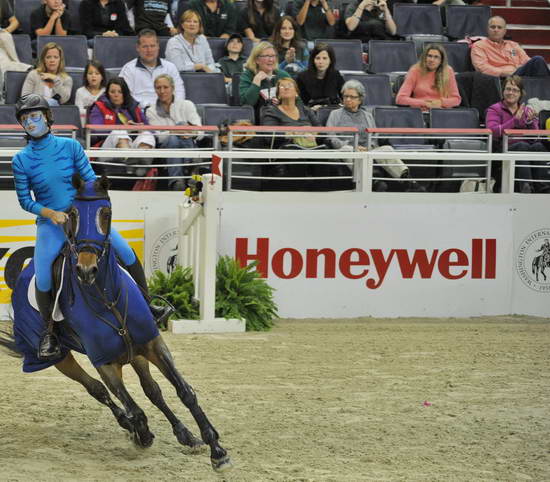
(94, 83)
(189, 51)
(49, 79)
(172, 111)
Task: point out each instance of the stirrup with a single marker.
(161, 313)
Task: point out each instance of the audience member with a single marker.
(321, 83)
(104, 17)
(430, 83)
(94, 82)
(189, 50)
(260, 75)
(117, 107)
(316, 17)
(370, 20)
(154, 15)
(511, 113)
(219, 17)
(139, 73)
(51, 18)
(292, 51)
(171, 111)
(355, 114)
(9, 60)
(233, 60)
(49, 78)
(257, 20)
(500, 58)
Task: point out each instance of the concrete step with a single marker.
(533, 50)
(529, 34)
(524, 15)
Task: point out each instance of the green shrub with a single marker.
(240, 293)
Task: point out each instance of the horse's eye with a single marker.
(103, 220)
(74, 222)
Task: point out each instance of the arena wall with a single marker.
(347, 254)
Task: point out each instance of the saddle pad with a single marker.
(57, 315)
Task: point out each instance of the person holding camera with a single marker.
(369, 20)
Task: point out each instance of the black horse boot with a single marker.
(161, 313)
(49, 347)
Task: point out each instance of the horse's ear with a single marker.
(104, 182)
(78, 182)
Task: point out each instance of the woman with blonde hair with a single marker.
(430, 83)
(49, 79)
(260, 75)
(189, 50)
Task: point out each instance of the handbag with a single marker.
(149, 184)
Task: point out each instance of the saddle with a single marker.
(57, 284)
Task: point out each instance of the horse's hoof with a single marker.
(144, 440)
(222, 464)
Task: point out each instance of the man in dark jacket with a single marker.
(104, 17)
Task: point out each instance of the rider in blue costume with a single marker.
(45, 167)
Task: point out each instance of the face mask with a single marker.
(35, 124)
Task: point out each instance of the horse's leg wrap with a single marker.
(153, 392)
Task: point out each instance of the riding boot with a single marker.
(161, 313)
(49, 347)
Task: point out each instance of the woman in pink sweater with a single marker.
(430, 83)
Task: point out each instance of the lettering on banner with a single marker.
(533, 260)
(371, 265)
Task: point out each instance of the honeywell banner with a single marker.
(348, 259)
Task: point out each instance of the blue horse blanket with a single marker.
(85, 314)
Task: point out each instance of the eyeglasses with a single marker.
(267, 56)
(286, 87)
(350, 97)
(512, 89)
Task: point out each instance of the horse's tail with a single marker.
(7, 339)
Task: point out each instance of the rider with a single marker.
(45, 167)
(545, 248)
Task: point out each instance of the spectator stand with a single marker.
(102, 130)
(349, 54)
(290, 156)
(432, 165)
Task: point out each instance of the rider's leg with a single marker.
(133, 266)
(49, 241)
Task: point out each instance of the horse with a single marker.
(540, 262)
(104, 315)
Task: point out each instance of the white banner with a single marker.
(347, 254)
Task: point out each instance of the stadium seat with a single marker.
(68, 115)
(13, 81)
(407, 117)
(214, 115)
(7, 114)
(411, 18)
(324, 112)
(544, 115)
(74, 12)
(387, 56)
(235, 98)
(78, 81)
(420, 40)
(204, 88)
(467, 20)
(458, 56)
(349, 54)
(217, 45)
(538, 87)
(114, 52)
(22, 11)
(459, 118)
(23, 48)
(75, 49)
(377, 87)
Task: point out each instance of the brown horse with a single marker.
(96, 288)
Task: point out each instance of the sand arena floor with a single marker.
(312, 400)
